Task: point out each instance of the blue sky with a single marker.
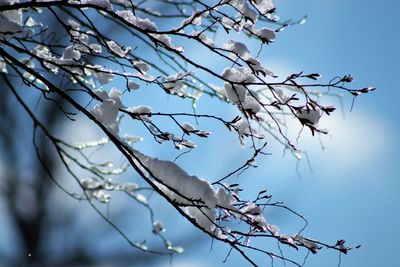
(353, 192)
(353, 189)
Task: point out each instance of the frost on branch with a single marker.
(167, 51)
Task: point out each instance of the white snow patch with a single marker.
(107, 112)
(183, 188)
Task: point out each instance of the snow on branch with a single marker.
(92, 57)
